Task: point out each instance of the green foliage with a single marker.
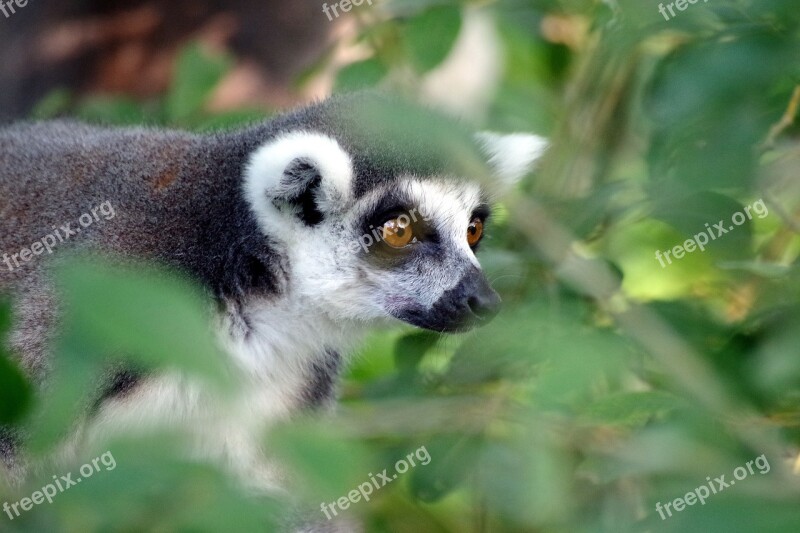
(361, 75)
(196, 75)
(149, 319)
(609, 383)
(15, 393)
(430, 35)
(151, 488)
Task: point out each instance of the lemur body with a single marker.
(269, 221)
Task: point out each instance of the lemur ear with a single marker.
(302, 175)
(511, 156)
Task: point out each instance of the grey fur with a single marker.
(323, 379)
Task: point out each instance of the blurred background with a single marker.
(609, 384)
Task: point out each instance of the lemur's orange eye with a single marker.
(474, 231)
(397, 232)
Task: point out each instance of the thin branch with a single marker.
(786, 120)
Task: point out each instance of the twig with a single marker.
(786, 120)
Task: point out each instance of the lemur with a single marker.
(270, 220)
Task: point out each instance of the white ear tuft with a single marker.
(512, 156)
(268, 175)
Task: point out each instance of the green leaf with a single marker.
(361, 75)
(390, 127)
(111, 110)
(147, 483)
(710, 104)
(230, 120)
(156, 316)
(147, 318)
(631, 408)
(197, 74)
(698, 216)
(53, 104)
(329, 464)
(15, 392)
(430, 36)
(411, 348)
(448, 468)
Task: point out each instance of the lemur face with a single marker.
(403, 249)
(414, 253)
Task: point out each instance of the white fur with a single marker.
(264, 174)
(514, 155)
(285, 337)
(227, 431)
(447, 203)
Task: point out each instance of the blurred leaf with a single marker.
(229, 121)
(523, 482)
(707, 101)
(390, 127)
(155, 316)
(53, 104)
(698, 217)
(431, 34)
(139, 486)
(775, 367)
(197, 74)
(412, 348)
(361, 75)
(452, 461)
(15, 393)
(631, 409)
(149, 317)
(111, 110)
(329, 465)
(766, 270)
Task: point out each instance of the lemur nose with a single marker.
(485, 304)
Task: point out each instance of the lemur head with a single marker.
(372, 231)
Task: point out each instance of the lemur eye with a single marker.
(397, 232)
(474, 231)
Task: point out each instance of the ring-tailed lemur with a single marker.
(305, 230)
